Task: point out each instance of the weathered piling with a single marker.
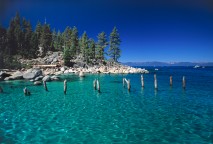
(26, 92)
(155, 82)
(65, 86)
(94, 84)
(142, 81)
(1, 90)
(128, 83)
(170, 80)
(45, 85)
(98, 85)
(184, 82)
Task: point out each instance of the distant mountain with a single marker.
(156, 63)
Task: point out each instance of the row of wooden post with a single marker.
(170, 81)
(96, 84)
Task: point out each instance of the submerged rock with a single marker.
(37, 83)
(55, 78)
(46, 78)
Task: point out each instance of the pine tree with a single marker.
(11, 40)
(34, 43)
(114, 51)
(3, 42)
(92, 48)
(84, 46)
(38, 30)
(27, 34)
(54, 43)
(101, 45)
(74, 42)
(45, 39)
(18, 34)
(67, 44)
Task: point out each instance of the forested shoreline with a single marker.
(21, 41)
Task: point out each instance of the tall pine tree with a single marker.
(101, 45)
(114, 51)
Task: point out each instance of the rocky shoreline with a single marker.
(37, 75)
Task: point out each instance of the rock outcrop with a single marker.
(32, 73)
(15, 76)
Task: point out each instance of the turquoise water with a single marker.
(169, 115)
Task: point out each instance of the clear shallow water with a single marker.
(169, 115)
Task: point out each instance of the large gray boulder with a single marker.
(46, 78)
(32, 73)
(15, 76)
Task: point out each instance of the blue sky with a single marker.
(150, 30)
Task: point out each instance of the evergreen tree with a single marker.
(45, 39)
(74, 42)
(60, 41)
(3, 42)
(114, 51)
(101, 45)
(34, 43)
(38, 30)
(11, 40)
(54, 43)
(84, 46)
(67, 44)
(18, 34)
(27, 34)
(92, 48)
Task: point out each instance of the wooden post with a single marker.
(1, 90)
(98, 86)
(142, 81)
(65, 86)
(170, 81)
(94, 84)
(45, 85)
(26, 91)
(184, 82)
(128, 85)
(155, 82)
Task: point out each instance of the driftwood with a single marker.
(46, 66)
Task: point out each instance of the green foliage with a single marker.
(20, 39)
(114, 51)
(101, 45)
(84, 46)
(92, 48)
(45, 39)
